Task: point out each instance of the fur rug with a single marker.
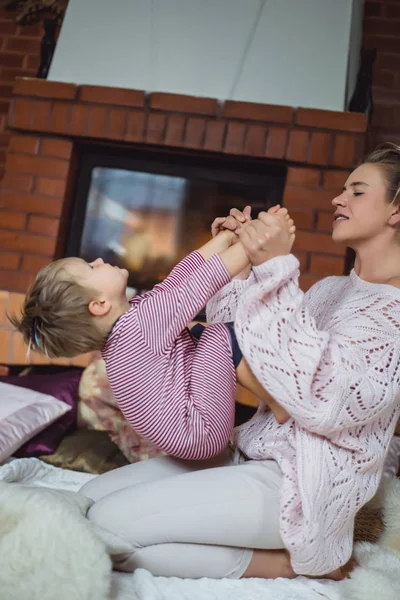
(49, 550)
(41, 560)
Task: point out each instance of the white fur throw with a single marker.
(49, 550)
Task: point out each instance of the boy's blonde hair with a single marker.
(55, 319)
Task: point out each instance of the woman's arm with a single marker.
(326, 380)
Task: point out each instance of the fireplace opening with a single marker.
(145, 209)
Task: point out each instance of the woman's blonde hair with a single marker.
(55, 319)
(387, 158)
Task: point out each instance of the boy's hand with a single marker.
(232, 222)
(236, 219)
(272, 234)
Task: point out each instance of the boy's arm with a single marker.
(164, 316)
(193, 261)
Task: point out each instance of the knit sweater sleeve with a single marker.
(221, 308)
(326, 380)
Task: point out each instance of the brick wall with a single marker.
(382, 31)
(19, 57)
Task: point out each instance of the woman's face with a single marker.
(362, 211)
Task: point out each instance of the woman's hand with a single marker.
(233, 222)
(272, 234)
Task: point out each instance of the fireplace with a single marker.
(145, 209)
(65, 136)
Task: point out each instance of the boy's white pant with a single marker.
(190, 518)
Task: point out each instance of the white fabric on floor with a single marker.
(143, 586)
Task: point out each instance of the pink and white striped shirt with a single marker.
(149, 358)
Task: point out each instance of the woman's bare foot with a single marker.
(270, 564)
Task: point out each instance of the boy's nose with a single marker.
(98, 261)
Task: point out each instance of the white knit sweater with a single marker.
(331, 358)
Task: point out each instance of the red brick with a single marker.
(110, 95)
(50, 187)
(175, 130)
(31, 204)
(24, 144)
(392, 11)
(386, 115)
(255, 140)
(56, 148)
(235, 137)
(135, 126)
(276, 142)
(194, 132)
(9, 260)
(6, 91)
(303, 177)
(302, 258)
(4, 139)
(325, 221)
(326, 265)
(382, 43)
(329, 119)
(335, 180)
(5, 107)
(97, 121)
(60, 117)
(372, 9)
(32, 263)
(79, 120)
(34, 30)
(17, 282)
(43, 225)
(8, 28)
(18, 182)
(306, 281)
(11, 60)
(303, 219)
(45, 89)
(320, 148)
(156, 124)
(215, 133)
(32, 62)
(40, 115)
(343, 155)
(25, 45)
(387, 61)
(185, 104)
(25, 242)
(12, 220)
(21, 114)
(37, 165)
(117, 119)
(381, 26)
(307, 198)
(257, 112)
(10, 75)
(317, 242)
(297, 150)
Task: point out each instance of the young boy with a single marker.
(175, 390)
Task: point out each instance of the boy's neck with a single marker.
(115, 313)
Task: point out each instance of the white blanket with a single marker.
(143, 586)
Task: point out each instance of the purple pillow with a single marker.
(64, 387)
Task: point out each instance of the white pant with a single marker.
(190, 518)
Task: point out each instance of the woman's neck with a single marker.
(377, 260)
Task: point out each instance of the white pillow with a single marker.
(23, 414)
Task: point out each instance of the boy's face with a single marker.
(110, 282)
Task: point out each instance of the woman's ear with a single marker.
(394, 219)
(99, 308)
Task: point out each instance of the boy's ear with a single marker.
(99, 308)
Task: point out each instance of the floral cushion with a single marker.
(98, 409)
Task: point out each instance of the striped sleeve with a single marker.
(179, 273)
(162, 317)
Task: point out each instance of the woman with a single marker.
(331, 358)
